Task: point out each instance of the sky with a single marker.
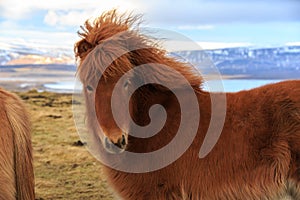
(209, 23)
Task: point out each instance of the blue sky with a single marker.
(211, 23)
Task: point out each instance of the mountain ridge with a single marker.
(259, 62)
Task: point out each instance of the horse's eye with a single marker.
(126, 84)
(89, 88)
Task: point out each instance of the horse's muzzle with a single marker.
(115, 147)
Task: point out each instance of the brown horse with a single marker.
(16, 168)
(257, 155)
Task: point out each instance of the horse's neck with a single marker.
(142, 101)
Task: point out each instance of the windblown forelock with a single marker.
(115, 56)
(113, 44)
(103, 51)
(102, 28)
(107, 25)
(106, 60)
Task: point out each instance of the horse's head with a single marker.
(103, 59)
(110, 49)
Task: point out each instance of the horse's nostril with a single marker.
(117, 147)
(123, 140)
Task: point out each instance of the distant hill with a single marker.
(49, 67)
(276, 62)
(18, 54)
(279, 62)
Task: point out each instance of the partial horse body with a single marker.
(256, 157)
(16, 167)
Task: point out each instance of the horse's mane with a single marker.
(122, 47)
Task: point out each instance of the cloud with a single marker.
(13, 9)
(42, 39)
(18, 9)
(226, 21)
(71, 18)
(8, 24)
(195, 12)
(222, 45)
(292, 44)
(179, 45)
(189, 14)
(196, 27)
(51, 18)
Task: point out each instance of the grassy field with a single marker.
(63, 168)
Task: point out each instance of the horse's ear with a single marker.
(82, 46)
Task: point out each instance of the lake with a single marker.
(235, 85)
(227, 85)
(63, 86)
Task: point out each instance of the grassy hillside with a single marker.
(63, 168)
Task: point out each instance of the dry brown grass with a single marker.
(63, 170)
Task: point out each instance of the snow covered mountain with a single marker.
(276, 62)
(16, 53)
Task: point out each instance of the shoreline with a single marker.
(67, 84)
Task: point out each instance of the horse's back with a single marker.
(286, 106)
(261, 132)
(7, 174)
(289, 120)
(283, 107)
(16, 167)
(279, 102)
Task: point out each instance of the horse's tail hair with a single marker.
(23, 160)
